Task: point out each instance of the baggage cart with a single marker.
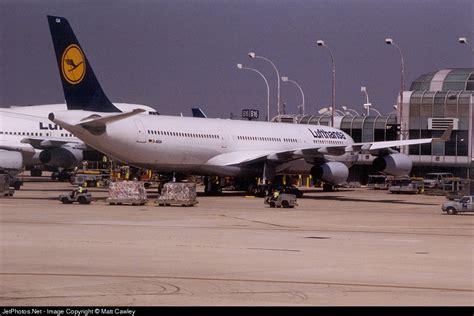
(127, 192)
(178, 193)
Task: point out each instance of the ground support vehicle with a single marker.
(62, 176)
(90, 178)
(433, 180)
(127, 192)
(378, 182)
(406, 186)
(263, 190)
(177, 193)
(15, 182)
(464, 204)
(283, 200)
(81, 198)
(5, 188)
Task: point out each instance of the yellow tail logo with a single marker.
(73, 64)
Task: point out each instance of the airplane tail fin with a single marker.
(81, 87)
(198, 112)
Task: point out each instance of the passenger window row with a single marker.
(23, 133)
(260, 138)
(180, 134)
(326, 141)
(268, 139)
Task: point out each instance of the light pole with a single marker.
(252, 55)
(333, 98)
(301, 106)
(390, 41)
(266, 82)
(367, 104)
(345, 108)
(463, 40)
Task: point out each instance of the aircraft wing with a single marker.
(238, 158)
(52, 142)
(252, 156)
(23, 149)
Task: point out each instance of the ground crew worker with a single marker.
(276, 194)
(77, 191)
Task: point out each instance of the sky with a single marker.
(174, 54)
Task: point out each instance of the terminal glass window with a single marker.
(346, 124)
(379, 131)
(450, 146)
(427, 105)
(415, 102)
(426, 148)
(314, 120)
(357, 128)
(456, 79)
(422, 82)
(305, 119)
(438, 147)
(325, 120)
(462, 143)
(368, 129)
(470, 83)
(391, 129)
(451, 109)
(414, 149)
(438, 107)
(463, 108)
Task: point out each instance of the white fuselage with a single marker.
(191, 145)
(19, 123)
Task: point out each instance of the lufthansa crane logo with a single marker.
(73, 64)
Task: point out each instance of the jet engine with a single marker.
(394, 164)
(11, 160)
(63, 157)
(332, 172)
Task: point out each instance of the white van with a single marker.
(433, 180)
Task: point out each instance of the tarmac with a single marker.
(353, 247)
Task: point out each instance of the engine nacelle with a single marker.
(394, 164)
(11, 160)
(331, 172)
(63, 157)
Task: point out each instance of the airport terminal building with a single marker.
(433, 102)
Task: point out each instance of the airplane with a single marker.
(207, 146)
(198, 112)
(29, 140)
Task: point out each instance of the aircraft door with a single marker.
(223, 139)
(141, 136)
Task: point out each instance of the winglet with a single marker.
(446, 135)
